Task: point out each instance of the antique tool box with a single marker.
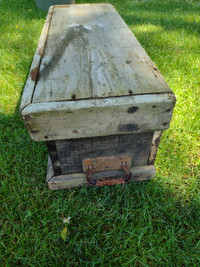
(96, 98)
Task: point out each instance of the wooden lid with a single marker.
(91, 53)
(87, 53)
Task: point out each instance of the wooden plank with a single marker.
(71, 153)
(154, 147)
(91, 53)
(98, 117)
(50, 171)
(32, 78)
(140, 173)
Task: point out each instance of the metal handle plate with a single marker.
(107, 163)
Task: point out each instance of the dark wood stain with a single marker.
(34, 131)
(73, 97)
(130, 92)
(34, 74)
(72, 152)
(71, 35)
(132, 109)
(131, 127)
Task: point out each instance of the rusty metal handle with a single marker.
(114, 181)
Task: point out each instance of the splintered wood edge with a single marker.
(35, 66)
(140, 173)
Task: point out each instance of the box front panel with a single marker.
(68, 154)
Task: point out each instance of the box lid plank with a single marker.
(91, 53)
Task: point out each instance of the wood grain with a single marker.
(91, 53)
(98, 117)
(33, 74)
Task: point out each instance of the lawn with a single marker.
(153, 223)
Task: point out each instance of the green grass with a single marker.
(155, 223)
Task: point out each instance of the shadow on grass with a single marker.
(149, 222)
(21, 157)
(141, 224)
(170, 16)
(20, 9)
(152, 222)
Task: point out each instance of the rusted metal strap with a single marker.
(99, 166)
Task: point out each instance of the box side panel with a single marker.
(72, 152)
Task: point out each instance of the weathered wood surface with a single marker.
(50, 171)
(98, 117)
(32, 78)
(91, 53)
(139, 173)
(154, 147)
(67, 155)
(91, 77)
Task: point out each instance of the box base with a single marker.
(140, 173)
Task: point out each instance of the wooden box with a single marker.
(96, 98)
